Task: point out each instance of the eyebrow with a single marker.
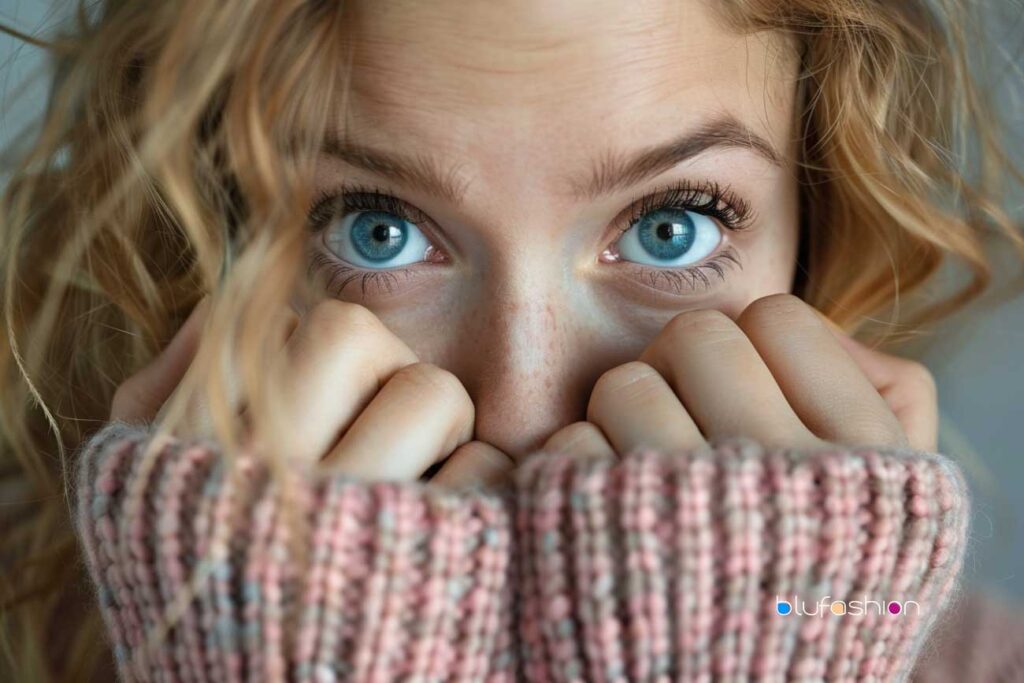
(418, 171)
(611, 173)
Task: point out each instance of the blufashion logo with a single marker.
(841, 608)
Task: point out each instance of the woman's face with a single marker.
(556, 181)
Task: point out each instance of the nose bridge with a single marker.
(524, 367)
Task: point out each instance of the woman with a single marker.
(589, 269)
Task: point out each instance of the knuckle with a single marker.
(709, 326)
(577, 432)
(778, 311)
(439, 382)
(622, 376)
(703, 321)
(333, 320)
(919, 380)
(629, 382)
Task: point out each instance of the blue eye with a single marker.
(377, 239)
(670, 237)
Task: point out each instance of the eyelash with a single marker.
(707, 198)
(360, 198)
(696, 277)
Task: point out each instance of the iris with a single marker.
(376, 240)
(670, 237)
(666, 234)
(378, 237)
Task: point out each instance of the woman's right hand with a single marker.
(355, 396)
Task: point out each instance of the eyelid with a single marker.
(329, 205)
(708, 198)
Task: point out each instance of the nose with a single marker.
(526, 362)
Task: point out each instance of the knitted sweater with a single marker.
(732, 562)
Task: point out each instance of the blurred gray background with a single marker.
(977, 356)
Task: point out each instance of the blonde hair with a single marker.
(175, 160)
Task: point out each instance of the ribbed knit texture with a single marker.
(401, 582)
(668, 567)
(652, 567)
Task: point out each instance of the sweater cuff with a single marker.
(735, 561)
(207, 571)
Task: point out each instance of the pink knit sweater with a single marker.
(652, 567)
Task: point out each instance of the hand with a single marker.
(778, 374)
(355, 398)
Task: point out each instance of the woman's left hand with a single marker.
(778, 374)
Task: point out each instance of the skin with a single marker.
(518, 332)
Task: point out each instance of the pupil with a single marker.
(378, 236)
(667, 234)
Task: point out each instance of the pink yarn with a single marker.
(653, 567)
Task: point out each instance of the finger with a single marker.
(474, 465)
(723, 382)
(635, 407)
(198, 416)
(582, 439)
(421, 415)
(335, 362)
(139, 398)
(826, 388)
(907, 387)
(285, 325)
(282, 327)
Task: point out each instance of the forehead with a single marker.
(548, 85)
